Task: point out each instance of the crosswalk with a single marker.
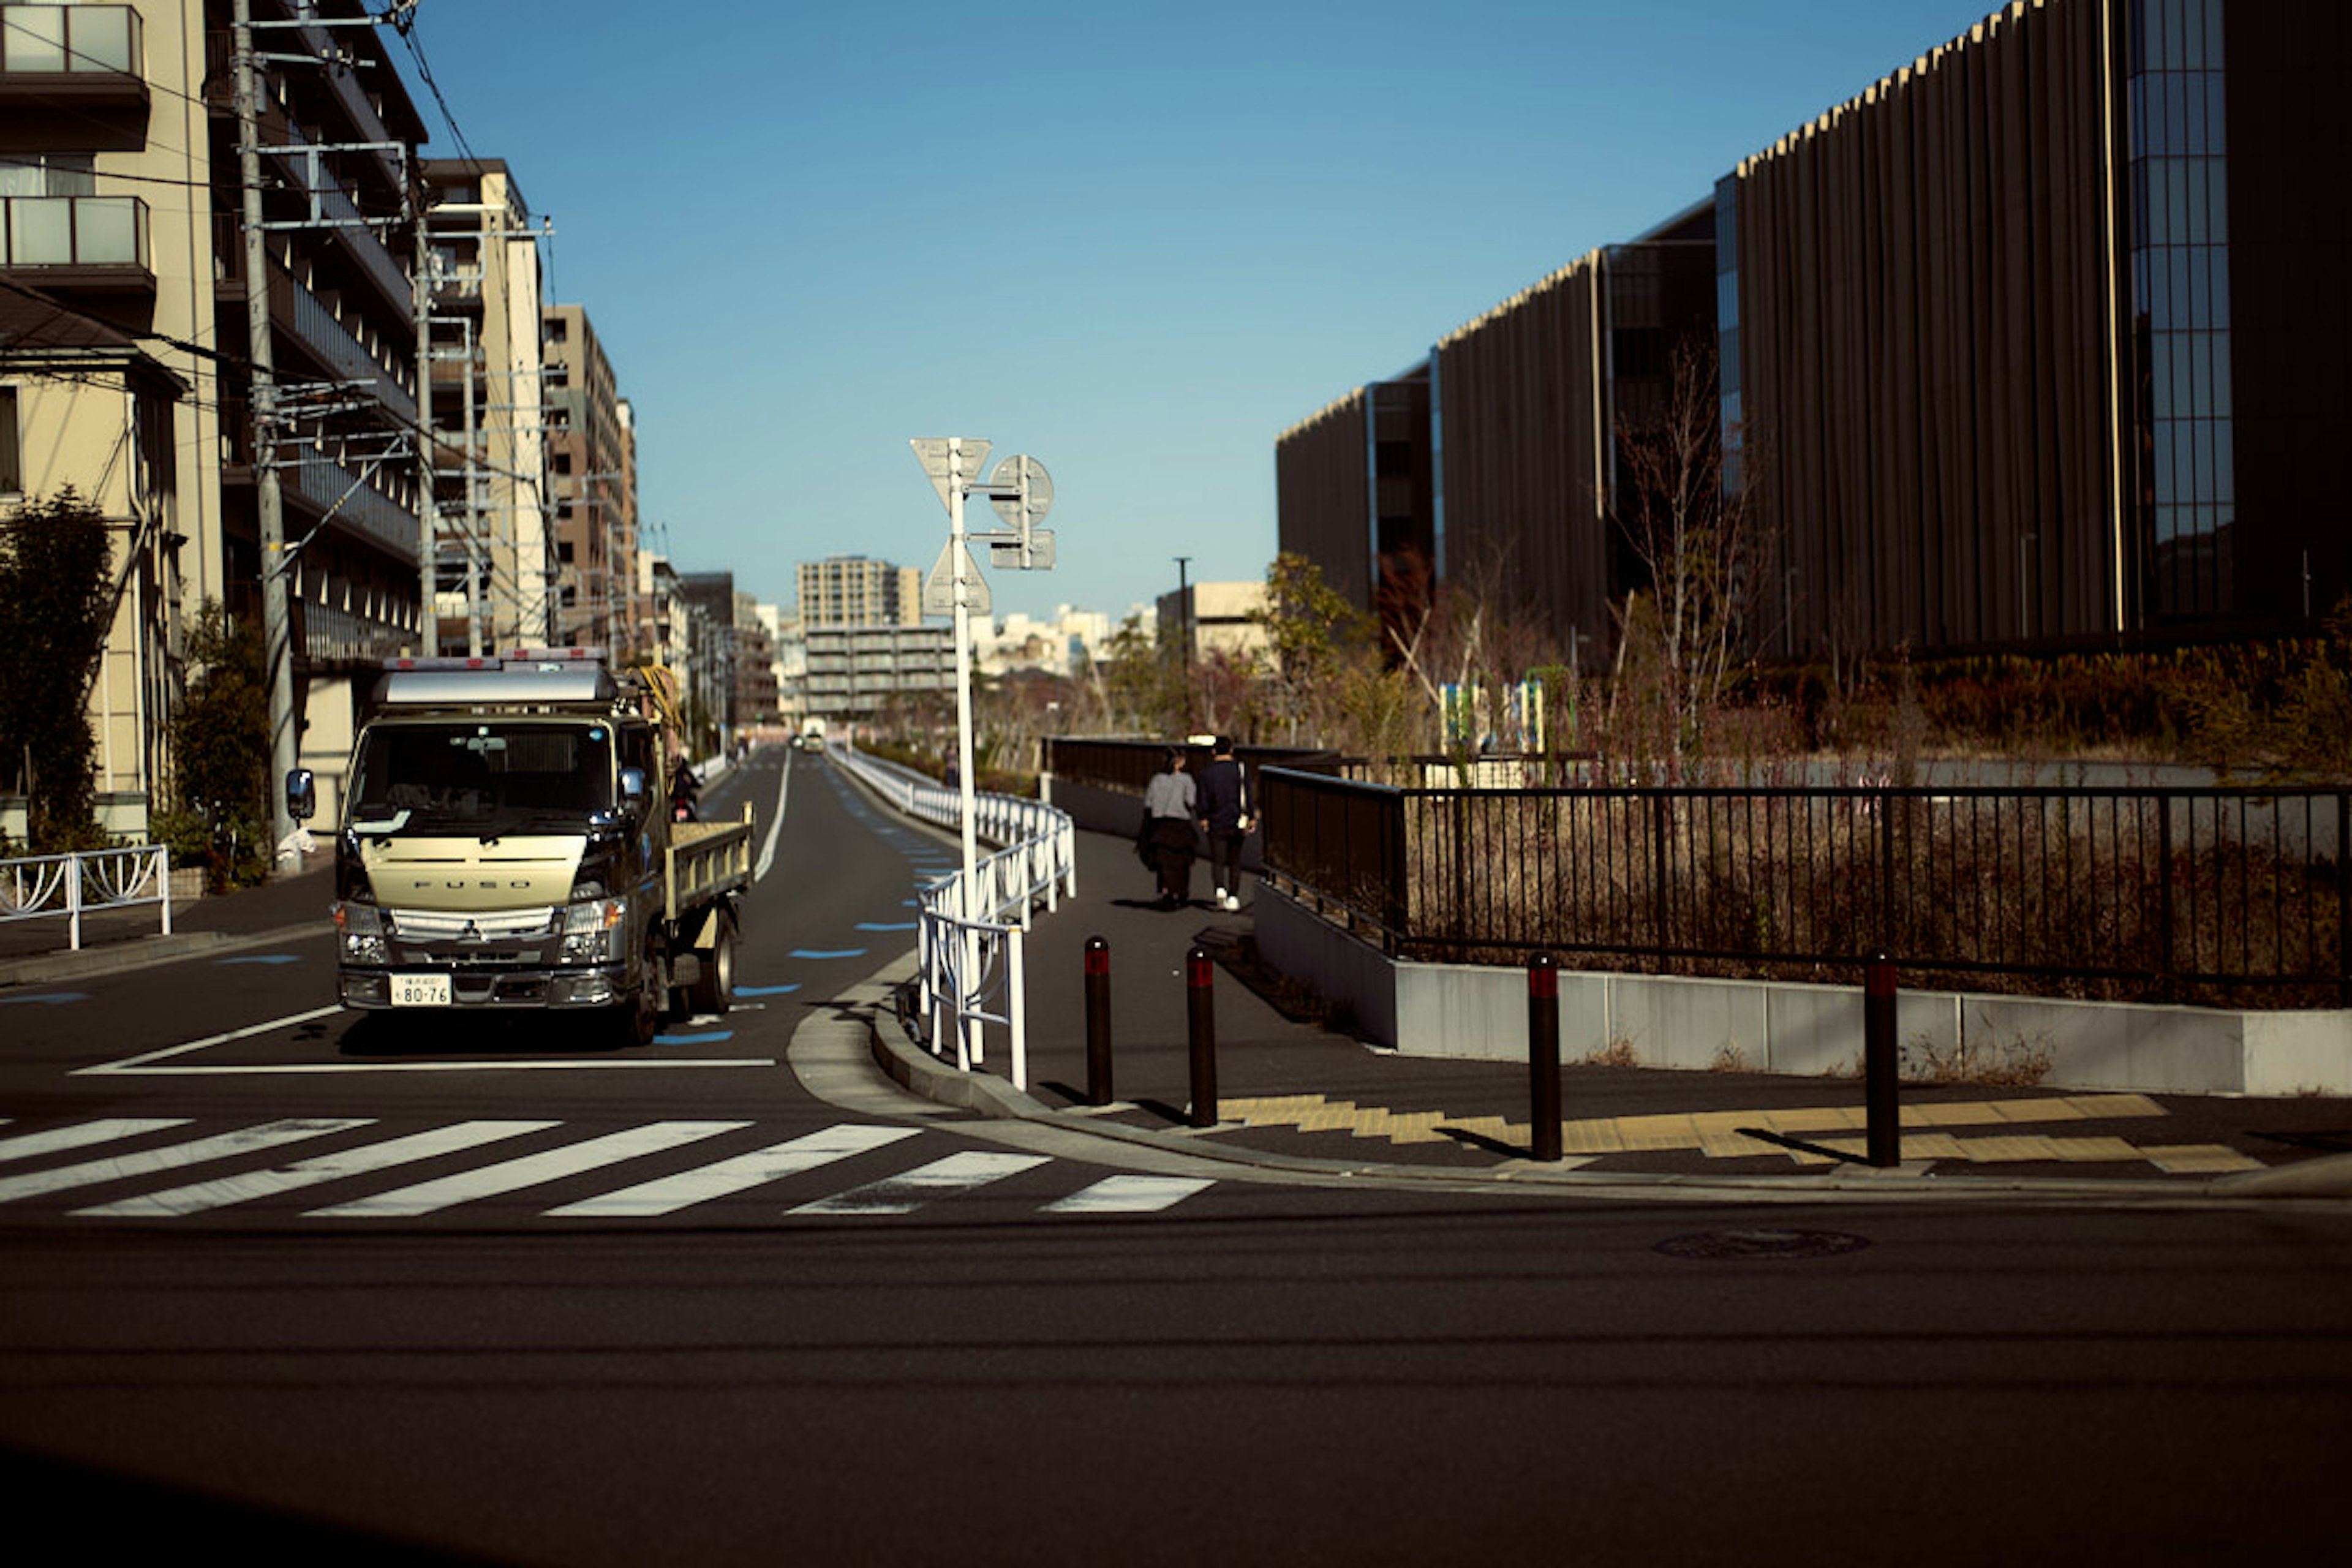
(138, 1168)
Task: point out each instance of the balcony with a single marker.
(319, 484)
(327, 341)
(332, 637)
(72, 58)
(359, 240)
(81, 242)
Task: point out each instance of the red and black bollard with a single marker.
(1200, 982)
(1543, 1055)
(1880, 1095)
(1097, 1021)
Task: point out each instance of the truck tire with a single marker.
(638, 1020)
(713, 990)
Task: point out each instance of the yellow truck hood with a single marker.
(465, 874)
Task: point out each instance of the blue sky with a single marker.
(1135, 242)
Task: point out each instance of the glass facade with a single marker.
(2181, 302)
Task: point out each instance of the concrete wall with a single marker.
(1475, 1011)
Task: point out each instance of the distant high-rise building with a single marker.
(855, 591)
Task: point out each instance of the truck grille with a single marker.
(488, 925)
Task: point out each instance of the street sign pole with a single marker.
(965, 788)
(1023, 494)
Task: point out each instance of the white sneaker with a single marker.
(1229, 901)
(1220, 899)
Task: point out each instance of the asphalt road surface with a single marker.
(280, 1281)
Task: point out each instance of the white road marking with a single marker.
(1130, 1194)
(904, 1194)
(139, 1066)
(201, 1195)
(251, 1140)
(530, 1171)
(667, 1194)
(25, 1146)
(134, 1064)
(768, 849)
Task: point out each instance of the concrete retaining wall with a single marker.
(1479, 1011)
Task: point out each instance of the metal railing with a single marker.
(2214, 895)
(42, 886)
(968, 961)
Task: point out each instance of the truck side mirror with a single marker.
(301, 794)
(633, 790)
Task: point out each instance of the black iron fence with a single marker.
(2217, 896)
(1128, 765)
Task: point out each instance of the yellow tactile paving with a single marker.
(1600, 1137)
(2108, 1107)
(2094, 1150)
(1657, 1132)
(2197, 1159)
(1717, 1133)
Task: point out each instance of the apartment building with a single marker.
(123, 336)
(591, 448)
(495, 562)
(857, 591)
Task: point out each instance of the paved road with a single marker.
(487, 1295)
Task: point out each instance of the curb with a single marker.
(143, 953)
(2326, 1178)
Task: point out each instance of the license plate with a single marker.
(420, 991)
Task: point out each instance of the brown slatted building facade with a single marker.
(2023, 348)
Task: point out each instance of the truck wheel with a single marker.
(639, 1019)
(713, 990)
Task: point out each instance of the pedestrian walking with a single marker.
(1168, 809)
(1225, 820)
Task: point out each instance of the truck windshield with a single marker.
(481, 778)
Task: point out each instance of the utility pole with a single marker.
(428, 520)
(1184, 635)
(277, 628)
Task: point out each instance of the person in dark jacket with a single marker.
(1225, 819)
(1168, 812)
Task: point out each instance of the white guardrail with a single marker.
(968, 940)
(45, 887)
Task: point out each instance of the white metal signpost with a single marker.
(1021, 492)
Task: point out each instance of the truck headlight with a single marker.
(361, 929)
(593, 930)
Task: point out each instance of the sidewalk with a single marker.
(1294, 1093)
(287, 907)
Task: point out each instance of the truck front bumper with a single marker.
(602, 987)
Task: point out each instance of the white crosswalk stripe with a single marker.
(1130, 1194)
(667, 1195)
(121, 1167)
(245, 1188)
(638, 1197)
(58, 1139)
(904, 1194)
(530, 1171)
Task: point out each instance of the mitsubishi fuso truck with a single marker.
(506, 842)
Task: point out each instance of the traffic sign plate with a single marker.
(948, 458)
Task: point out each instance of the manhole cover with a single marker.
(1762, 1244)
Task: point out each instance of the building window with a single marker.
(2181, 304)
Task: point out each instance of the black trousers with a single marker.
(1171, 857)
(1225, 858)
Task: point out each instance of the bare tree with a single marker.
(1470, 633)
(1697, 537)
